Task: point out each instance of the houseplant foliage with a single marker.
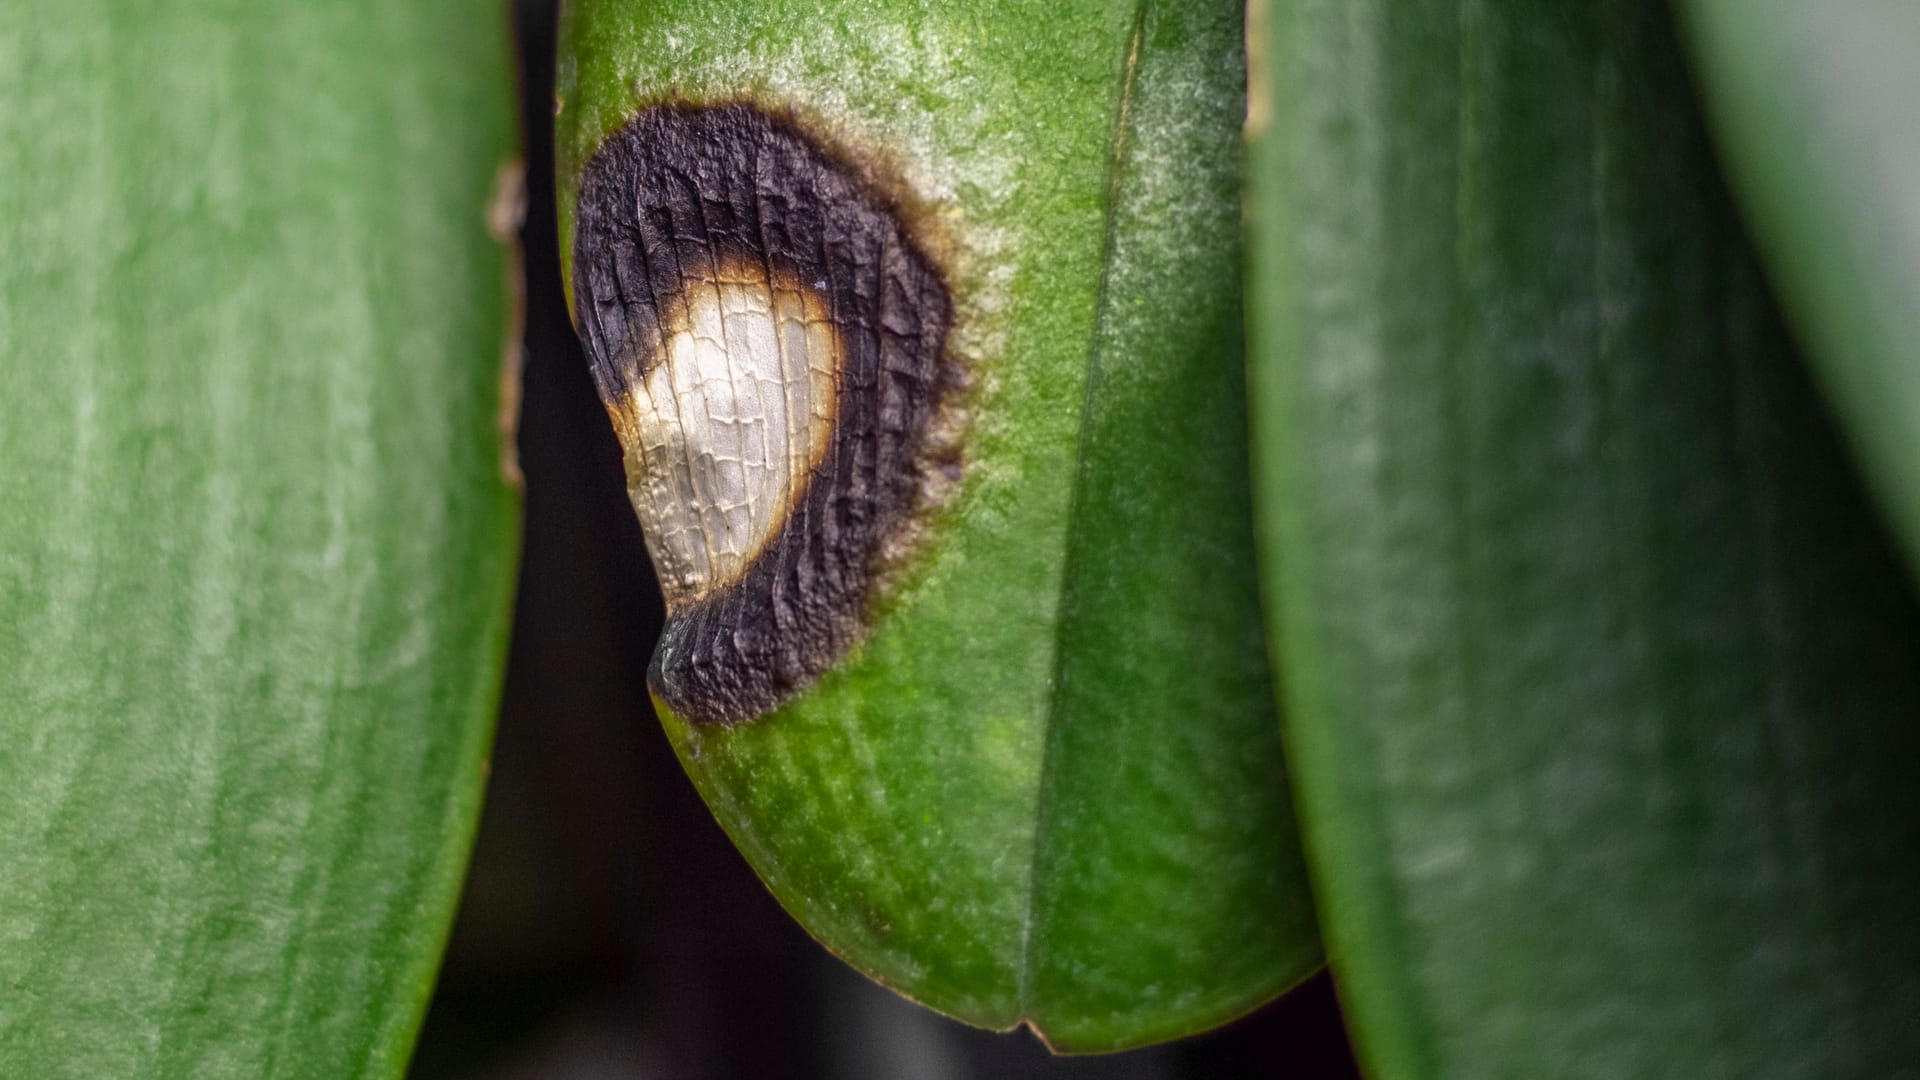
(1599, 673)
(1813, 108)
(1044, 782)
(1600, 677)
(255, 542)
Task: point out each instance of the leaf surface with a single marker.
(1600, 679)
(256, 550)
(1047, 785)
(1814, 108)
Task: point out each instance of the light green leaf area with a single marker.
(256, 550)
(1048, 787)
(1601, 679)
(1814, 103)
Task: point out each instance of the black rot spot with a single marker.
(771, 343)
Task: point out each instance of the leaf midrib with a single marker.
(1101, 311)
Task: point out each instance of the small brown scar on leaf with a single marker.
(506, 213)
(1259, 71)
(767, 327)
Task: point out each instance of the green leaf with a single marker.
(1045, 784)
(1601, 682)
(1814, 104)
(255, 545)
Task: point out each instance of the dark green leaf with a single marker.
(1601, 681)
(1815, 102)
(255, 546)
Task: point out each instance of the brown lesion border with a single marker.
(672, 195)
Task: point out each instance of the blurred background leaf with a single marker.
(255, 544)
(1601, 677)
(1815, 107)
(1049, 786)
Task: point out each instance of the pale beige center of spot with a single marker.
(724, 433)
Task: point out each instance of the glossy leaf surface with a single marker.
(1047, 786)
(1814, 103)
(1601, 678)
(255, 544)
